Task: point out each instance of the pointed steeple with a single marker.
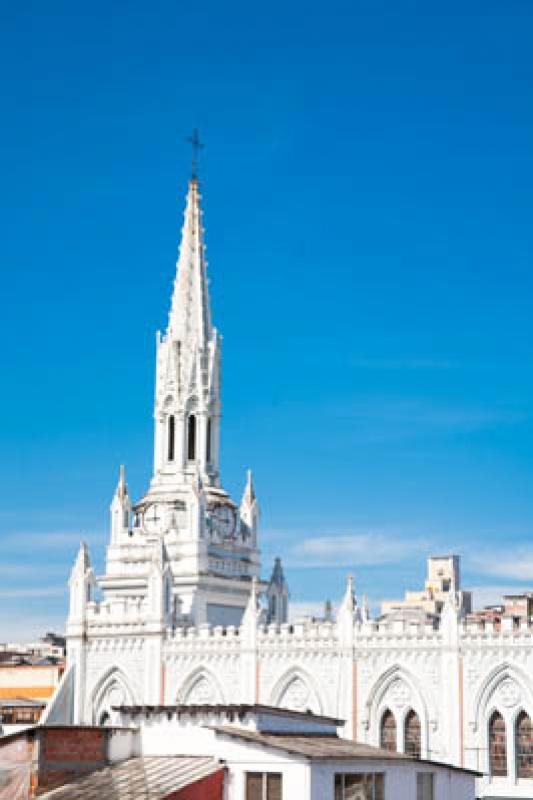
(249, 490)
(120, 510)
(81, 584)
(278, 595)
(249, 511)
(251, 612)
(187, 396)
(83, 562)
(121, 492)
(190, 316)
(348, 601)
(346, 613)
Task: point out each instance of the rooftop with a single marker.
(238, 710)
(21, 702)
(319, 746)
(150, 778)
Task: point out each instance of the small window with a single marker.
(263, 786)
(367, 786)
(387, 734)
(497, 745)
(425, 786)
(524, 746)
(171, 437)
(191, 438)
(413, 737)
(208, 442)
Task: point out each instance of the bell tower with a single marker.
(210, 542)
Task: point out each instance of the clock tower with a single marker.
(207, 539)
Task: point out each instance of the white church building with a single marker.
(180, 619)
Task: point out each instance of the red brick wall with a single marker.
(68, 753)
(210, 788)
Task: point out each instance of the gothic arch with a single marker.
(398, 691)
(201, 687)
(296, 689)
(505, 688)
(112, 688)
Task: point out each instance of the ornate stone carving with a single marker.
(508, 693)
(400, 693)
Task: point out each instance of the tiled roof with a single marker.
(149, 778)
(325, 747)
(312, 745)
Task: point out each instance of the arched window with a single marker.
(273, 607)
(387, 732)
(497, 745)
(208, 443)
(413, 735)
(191, 438)
(524, 746)
(171, 437)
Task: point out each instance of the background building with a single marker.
(442, 583)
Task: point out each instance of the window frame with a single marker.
(341, 777)
(264, 783)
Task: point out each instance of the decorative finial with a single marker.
(194, 140)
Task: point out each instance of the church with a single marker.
(179, 617)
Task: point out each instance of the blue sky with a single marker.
(367, 192)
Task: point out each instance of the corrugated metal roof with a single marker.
(149, 778)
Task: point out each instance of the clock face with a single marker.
(223, 520)
(154, 518)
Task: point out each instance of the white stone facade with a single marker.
(179, 621)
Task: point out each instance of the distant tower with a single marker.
(277, 595)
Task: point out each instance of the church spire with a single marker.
(190, 315)
(187, 402)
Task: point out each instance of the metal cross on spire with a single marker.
(194, 140)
